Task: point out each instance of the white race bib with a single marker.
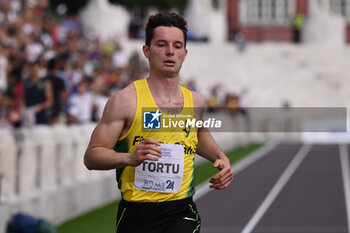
(164, 175)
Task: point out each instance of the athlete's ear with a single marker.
(145, 50)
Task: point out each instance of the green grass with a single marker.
(102, 220)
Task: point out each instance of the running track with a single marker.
(284, 188)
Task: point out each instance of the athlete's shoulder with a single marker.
(121, 104)
(125, 95)
(198, 100)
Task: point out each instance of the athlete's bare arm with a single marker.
(116, 120)
(208, 149)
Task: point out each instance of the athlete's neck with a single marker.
(165, 91)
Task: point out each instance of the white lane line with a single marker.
(344, 161)
(277, 229)
(203, 188)
(282, 181)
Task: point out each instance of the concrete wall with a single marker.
(42, 173)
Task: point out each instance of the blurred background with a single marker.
(60, 61)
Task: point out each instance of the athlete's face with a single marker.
(167, 51)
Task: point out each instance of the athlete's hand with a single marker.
(147, 149)
(223, 178)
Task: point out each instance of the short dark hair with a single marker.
(168, 19)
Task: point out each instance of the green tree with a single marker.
(73, 7)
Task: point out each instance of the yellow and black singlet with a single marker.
(165, 132)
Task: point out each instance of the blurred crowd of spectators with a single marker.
(220, 98)
(51, 72)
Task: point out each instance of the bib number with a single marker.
(164, 175)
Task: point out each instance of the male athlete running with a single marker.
(154, 167)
